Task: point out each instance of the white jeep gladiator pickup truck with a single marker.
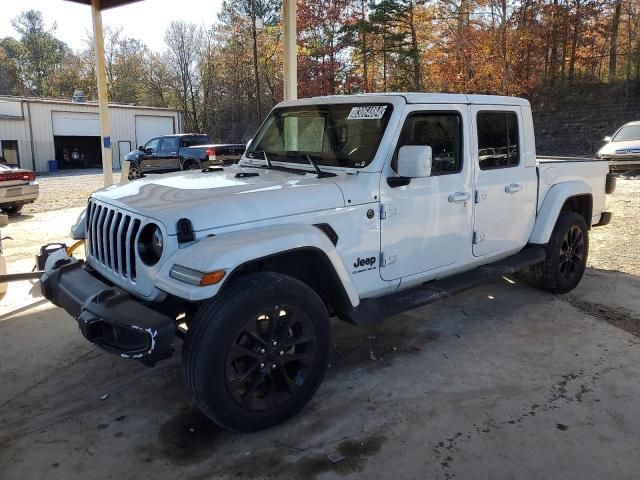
(355, 207)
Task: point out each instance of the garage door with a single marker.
(148, 127)
(74, 124)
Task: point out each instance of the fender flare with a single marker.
(228, 251)
(553, 202)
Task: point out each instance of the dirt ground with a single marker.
(504, 381)
(66, 189)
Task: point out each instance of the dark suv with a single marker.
(187, 151)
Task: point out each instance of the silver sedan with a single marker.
(622, 149)
(17, 188)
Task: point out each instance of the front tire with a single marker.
(134, 171)
(567, 253)
(256, 354)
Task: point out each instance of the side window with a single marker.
(442, 131)
(169, 143)
(152, 144)
(498, 142)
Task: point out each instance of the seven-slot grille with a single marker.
(111, 236)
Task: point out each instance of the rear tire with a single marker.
(191, 165)
(567, 253)
(256, 354)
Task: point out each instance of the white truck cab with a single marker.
(357, 207)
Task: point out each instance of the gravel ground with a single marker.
(617, 246)
(67, 190)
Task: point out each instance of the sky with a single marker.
(146, 20)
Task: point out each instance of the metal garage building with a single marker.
(34, 131)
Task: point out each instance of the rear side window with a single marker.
(195, 140)
(169, 143)
(498, 142)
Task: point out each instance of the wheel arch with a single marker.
(300, 250)
(574, 196)
(311, 266)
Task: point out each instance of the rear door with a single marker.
(504, 185)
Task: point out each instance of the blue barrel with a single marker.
(53, 166)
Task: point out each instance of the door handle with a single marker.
(513, 188)
(173, 153)
(459, 197)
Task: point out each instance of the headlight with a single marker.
(150, 244)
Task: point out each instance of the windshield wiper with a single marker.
(264, 155)
(266, 159)
(313, 163)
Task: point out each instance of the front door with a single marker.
(168, 153)
(503, 182)
(148, 160)
(427, 222)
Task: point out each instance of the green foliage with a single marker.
(40, 53)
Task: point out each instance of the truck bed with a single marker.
(593, 172)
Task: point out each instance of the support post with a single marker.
(103, 100)
(290, 65)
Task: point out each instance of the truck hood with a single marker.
(222, 198)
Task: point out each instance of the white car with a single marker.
(355, 207)
(17, 188)
(622, 149)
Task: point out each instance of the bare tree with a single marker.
(185, 41)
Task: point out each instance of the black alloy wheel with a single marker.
(571, 261)
(567, 253)
(270, 357)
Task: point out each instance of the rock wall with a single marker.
(574, 124)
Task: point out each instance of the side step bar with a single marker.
(372, 309)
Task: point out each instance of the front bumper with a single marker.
(623, 164)
(108, 316)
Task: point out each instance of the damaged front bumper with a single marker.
(108, 316)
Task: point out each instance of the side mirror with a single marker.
(141, 148)
(414, 161)
(606, 139)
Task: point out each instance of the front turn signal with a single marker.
(195, 277)
(211, 278)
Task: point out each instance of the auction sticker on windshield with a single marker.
(370, 112)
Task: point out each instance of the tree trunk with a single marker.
(574, 42)
(365, 67)
(613, 43)
(417, 83)
(256, 74)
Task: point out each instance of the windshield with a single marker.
(628, 133)
(340, 135)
